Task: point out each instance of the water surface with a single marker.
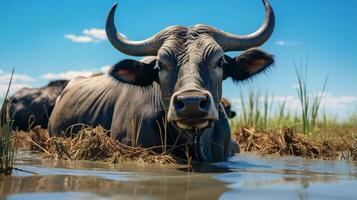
(242, 177)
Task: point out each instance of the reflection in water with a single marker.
(205, 168)
(291, 178)
(243, 177)
(165, 187)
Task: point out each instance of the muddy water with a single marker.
(243, 177)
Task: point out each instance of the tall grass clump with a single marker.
(256, 112)
(309, 106)
(6, 142)
(251, 115)
(256, 109)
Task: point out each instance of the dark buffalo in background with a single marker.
(227, 105)
(32, 107)
(178, 94)
(227, 108)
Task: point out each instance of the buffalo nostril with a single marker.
(179, 104)
(204, 103)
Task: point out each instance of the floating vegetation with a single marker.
(88, 144)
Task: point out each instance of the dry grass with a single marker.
(88, 144)
(284, 142)
(353, 150)
(95, 144)
(351, 153)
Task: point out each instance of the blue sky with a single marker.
(52, 39)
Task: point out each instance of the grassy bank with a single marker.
(266, 125)
(284, 133)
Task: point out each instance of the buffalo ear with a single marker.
(246, 65)
(134, 72)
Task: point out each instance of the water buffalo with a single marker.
(31, 107)
(173, 100)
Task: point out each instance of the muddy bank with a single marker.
(284, 142)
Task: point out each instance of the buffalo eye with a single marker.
(221, 62)
(160, 66)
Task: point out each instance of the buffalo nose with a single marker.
(192, 106)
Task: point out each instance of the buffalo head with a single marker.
(190, 66)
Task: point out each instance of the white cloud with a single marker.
(14, 87)
(331, 101)
(89, 35)
(291, 102)
(295, 86)
(68, 75)
(95, 33)
(287, 43)
(339, 104)
(5, 77)
(81, 39)
(18, 81)
(281, 43)
(22, 80)
(328, 100)
(105, 69)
